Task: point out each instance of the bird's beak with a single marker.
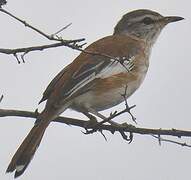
(170, 19)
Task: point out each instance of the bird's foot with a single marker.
(91, 122)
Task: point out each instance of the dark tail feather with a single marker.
(27, 149)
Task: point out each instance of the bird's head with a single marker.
(144, 24)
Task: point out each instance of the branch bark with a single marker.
(73, 44)
(68, 43)
(53, 37)
(111, 128)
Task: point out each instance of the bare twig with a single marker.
(160, 139)
(68, 43)
(127, 106)
(1, 98)
(54, 37)
(16, 56)
(40, 48)
(101, 131)
(111, 128)
(50, 37)
(59, 31)
(30, 26)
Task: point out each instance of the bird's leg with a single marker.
(128, 108)
(105, 119)
(102, 117)
(92, 120)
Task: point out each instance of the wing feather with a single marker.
(87, 67)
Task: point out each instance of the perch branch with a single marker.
(110, 128)
(39, 48)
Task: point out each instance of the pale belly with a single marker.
(110, 97)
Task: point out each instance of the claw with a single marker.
(125, 137)
(103, 135)
(89, 131)
(130, 137)
(90, 123)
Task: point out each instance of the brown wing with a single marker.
(84, 68)
(50, 87)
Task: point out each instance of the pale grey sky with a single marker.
(163, 101)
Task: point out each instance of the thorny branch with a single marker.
(60, 42)
(156, 133)
(54, 37)
(63, 28)
(50, 37)
(160, 139)
(38, 48)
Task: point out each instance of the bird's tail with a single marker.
(27, 149)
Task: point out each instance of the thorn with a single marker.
(131, 138)
(23, 56)
(36, 112)
(84, 132)
(59, 31)
(103, 135)
(124, 136)
(112, 131)
(1, 98)
(89, 131)
(81, 46)
(159, 140)
(15, 55)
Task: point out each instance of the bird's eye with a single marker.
(147, 20)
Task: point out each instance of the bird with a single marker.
(96, 78)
